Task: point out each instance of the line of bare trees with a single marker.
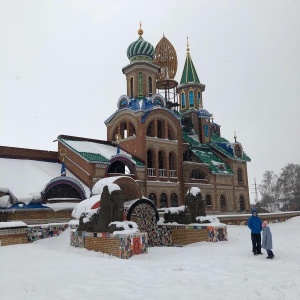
(281, 192)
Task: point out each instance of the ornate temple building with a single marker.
(161, 136)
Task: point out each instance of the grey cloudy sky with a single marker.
(61, 61)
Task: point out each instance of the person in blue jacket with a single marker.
(255, 225)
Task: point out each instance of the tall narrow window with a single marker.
(131, 87)
(242, 203)
(163, 200)
(152, 197)
(199, 100)
(240, 175)
(183, 104)
(208, 200)
(191, 98)
(150, 86)
(222, 202)
(174, 200)
(160, 129)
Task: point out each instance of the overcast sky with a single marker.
(61, 61)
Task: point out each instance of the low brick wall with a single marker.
(11, 235)
(121, 245)
(13, 238)
(187, 234)
(106, 245)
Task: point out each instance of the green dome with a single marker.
(139, 48)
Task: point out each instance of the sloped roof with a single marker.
(189, 74)
(208, 157)
(95, 151)
(26, 179)
(226, 148)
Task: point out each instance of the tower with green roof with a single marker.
(141, 73)
(190, 89)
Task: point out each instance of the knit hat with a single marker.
(264, 224)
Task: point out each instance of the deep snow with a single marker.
(52, 269)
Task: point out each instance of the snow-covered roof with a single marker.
(26, 179)
(12, 224)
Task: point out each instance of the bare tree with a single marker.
(289, 184)
(270, 191)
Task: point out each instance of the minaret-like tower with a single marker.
(190, 97)
(141, 74)
(190, 89)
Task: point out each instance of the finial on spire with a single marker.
(187, 45)
(140, 31)
(235, 137)
(212, 118)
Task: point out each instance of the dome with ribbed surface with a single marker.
(140, 49)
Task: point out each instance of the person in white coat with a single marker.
(267, 239)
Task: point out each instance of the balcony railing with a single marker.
(162, 172)
(151, 172)
(172, 173)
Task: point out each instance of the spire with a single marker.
(189, 74)
(140, 31)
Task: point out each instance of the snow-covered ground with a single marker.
(52, 269)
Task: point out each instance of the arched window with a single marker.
(174, 200)
(242, 203)
(131, 87)
(222, 201)
(151, 162)
(163, 200)
(162, 164)
(240, 175)
(198, 174)
(238, 151)
(160, 129)
(171, 133)
(151, 129)
(118, 167)
(153, 198)
(208, 200)
(150, 86)
(183, 104)
(191, 98)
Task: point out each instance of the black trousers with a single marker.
(256, 242)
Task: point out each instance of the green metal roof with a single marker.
(208, 157)
(224, 147)
(94, 151)
(189, 74)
